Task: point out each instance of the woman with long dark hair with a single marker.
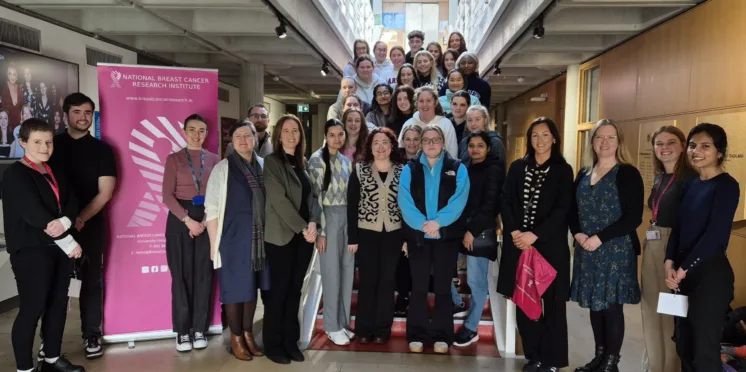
(330, 171)
(374, 223)
(356, 131)
(235, 215)
(696, 262)
(289, 236)
(457, 42)
(450, 57)
(540, 222)
(406, 76)
(672, 171)
(381, 107)
(187, 247)
(455, 81)
(402, 108)
(359, 47)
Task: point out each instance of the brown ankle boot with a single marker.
(238, 346)
(249, 338)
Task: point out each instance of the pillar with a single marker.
(251, 87)
(572, 108)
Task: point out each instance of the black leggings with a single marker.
(608, 328)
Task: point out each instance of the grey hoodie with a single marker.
(451, 144)
(365, 91)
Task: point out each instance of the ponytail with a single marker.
(327, 167)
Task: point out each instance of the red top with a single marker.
(178, 183)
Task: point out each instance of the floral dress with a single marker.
(608, 274)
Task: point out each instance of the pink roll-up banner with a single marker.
(142, 114)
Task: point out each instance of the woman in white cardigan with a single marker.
(234, 205)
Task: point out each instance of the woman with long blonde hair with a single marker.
(606, 213)
(426, 69)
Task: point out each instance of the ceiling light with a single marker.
(538, 29)
(521, 79)
(280, 30)
(325, 69)
(276, 78)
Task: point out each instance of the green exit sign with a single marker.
(302, 108)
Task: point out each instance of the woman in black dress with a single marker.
(541, 222)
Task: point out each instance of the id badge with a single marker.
(653, 235)
(673, 304)
(198, 200)
(74, 288)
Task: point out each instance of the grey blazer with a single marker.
(284, 195)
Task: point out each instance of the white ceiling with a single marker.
(575, 31)
(219, 34)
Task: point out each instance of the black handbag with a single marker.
(485, 245)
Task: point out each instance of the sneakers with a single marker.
(348, 333)
(200, 341)
(440, 347)
(465, 337)
(531, 366)
(547, 369)
(93, 349)
(61, 365)
(40, 356)
(460, 310)
(339, 338)
(415, 347)
(183, 343)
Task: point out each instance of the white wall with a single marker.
(60, 43)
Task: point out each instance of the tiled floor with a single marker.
(160, 356)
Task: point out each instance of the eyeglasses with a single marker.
(382, 94)
(245, 137)
(259, 116)
(605, 138)
(432, 141)
(381, 143)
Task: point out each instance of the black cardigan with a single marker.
(29, 205)
(632, 200)
(483, 206)
(550, 225)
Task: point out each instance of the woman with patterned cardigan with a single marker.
(374, 224)
(330, 172)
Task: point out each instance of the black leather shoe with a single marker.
(531, 366)
(61, 365)
(296, 355)
(278, 358)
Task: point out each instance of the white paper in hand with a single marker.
(74, 289)
(673, 304)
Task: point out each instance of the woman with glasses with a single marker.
(381, 107)
(374, 223)
(609, 199)
(432, 195)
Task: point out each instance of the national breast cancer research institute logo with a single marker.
(151, 164)
(115, 77)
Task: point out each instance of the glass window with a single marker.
(584, 140)
(591, 94)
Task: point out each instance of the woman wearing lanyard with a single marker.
(672, 170)
(38, 210)
(187, 248)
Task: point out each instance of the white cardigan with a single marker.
(215, 195)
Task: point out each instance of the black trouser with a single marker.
(403, 277)
(545, 339)
(710, 291)
(438, 258)
(608, 328)
(378, 253)
(42, 277)
(92, 240)
(288, 265)
(191, 273)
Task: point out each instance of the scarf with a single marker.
(254, 175)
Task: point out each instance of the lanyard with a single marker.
(657, 201)
(197, 181)
(53, 183)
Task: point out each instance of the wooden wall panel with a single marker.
(618, 82)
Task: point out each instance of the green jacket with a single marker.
(284, 195)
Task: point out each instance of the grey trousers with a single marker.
(337, 271)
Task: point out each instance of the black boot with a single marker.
(609, 364)
(595, 363)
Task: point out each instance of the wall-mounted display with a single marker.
(32, 86)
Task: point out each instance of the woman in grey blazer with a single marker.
(289, 236)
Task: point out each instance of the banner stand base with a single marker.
(131, 338)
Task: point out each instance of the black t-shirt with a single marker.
(669, 204)
(83, 160)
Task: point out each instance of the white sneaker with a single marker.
(183, 343)
(415, 347)
(339, 338)
(441, 347)
(200, 341)
(348, 333)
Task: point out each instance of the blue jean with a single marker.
(477, 269)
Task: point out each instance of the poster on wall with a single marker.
(645, 153)
(142, 114)
(225, 138)
(33, 86)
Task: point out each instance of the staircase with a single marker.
(486, 346)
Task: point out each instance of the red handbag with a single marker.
(533, 277)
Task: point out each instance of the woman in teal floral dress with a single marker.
(608, 206)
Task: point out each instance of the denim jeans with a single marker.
(477, 269)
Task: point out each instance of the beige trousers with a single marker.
(657, 328)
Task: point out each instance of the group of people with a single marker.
(55, 232)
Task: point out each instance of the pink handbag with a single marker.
(533, 277)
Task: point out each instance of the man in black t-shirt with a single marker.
(90, 167)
